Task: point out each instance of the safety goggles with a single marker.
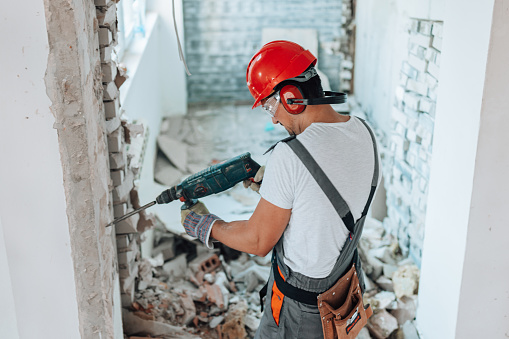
(270, 104)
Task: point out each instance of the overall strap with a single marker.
(324, 182)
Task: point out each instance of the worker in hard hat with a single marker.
(317, 187)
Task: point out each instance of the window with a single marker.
(131, 21)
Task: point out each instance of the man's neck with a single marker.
(320, 113)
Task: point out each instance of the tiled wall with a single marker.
(408, 162)
(221, 36)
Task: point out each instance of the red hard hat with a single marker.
(274, 63)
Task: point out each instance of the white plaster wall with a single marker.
(485, 279)
(172, 75)
(32, 203)
(447, 287)
(381, 46)
(8, 321)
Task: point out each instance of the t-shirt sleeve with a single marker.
(277, 185)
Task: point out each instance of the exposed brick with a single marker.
(115, 140)
(107, 16)
(118, 160)
(128, 225)
(105, 53)
(121, 192)
(110, 91)
(112, 108)
(119, 210)
(105, 37)
(109, 70)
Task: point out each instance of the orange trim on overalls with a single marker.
(276, 301)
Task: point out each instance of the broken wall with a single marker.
(223, 35)
(76, 83)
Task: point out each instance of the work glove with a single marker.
(198, 221)
(257, 180)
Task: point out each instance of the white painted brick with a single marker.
(347, 64)
(425, 27)
(109, 70)
(117, 177)
(105, 37)
(345, 75)
(403, 79)
(399, 116)
(425, 105)
(411, 100)
(417, 87)
(437, 43)
(125, 271)
(433, 70)
(400, 130)
(421, 40)
(110, 91)
(125, 283)
(437, 29)
(417, 63)
(411, 135)
(431, 81)
(400, 93)
(409, 70)
(112, 109)
(119, 210)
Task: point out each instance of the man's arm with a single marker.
(259, 234)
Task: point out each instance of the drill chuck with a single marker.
(169, 195)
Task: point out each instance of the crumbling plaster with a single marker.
(73, 81)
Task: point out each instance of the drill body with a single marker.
(212, 180)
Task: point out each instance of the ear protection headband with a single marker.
(293, 99)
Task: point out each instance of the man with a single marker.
(293, 211)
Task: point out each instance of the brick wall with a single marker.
(126, 148)
(410, 146)
(221, 36)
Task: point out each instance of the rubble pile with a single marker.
(391, 285)
(189, 291)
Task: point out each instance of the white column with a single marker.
(32, 202)
(464, 287)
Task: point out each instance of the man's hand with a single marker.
(255, 185)
(198, 221)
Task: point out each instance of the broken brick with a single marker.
(207, 262)
(215, 295)
(189, 308)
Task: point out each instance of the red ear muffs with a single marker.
(291, 92)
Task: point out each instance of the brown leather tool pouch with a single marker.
(341, 308)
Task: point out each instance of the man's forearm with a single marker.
(239, 235)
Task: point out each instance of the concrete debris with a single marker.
(234, 326)
(381, 300)
(176, 268)
(216, 321)
(406, 280)
(405, 310)
(382, 324)
(385, 283)
(134, 325)
(364, 334)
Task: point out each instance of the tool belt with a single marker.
(341, 307)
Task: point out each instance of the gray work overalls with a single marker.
(301, 319)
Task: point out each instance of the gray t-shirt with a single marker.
(316, 234)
